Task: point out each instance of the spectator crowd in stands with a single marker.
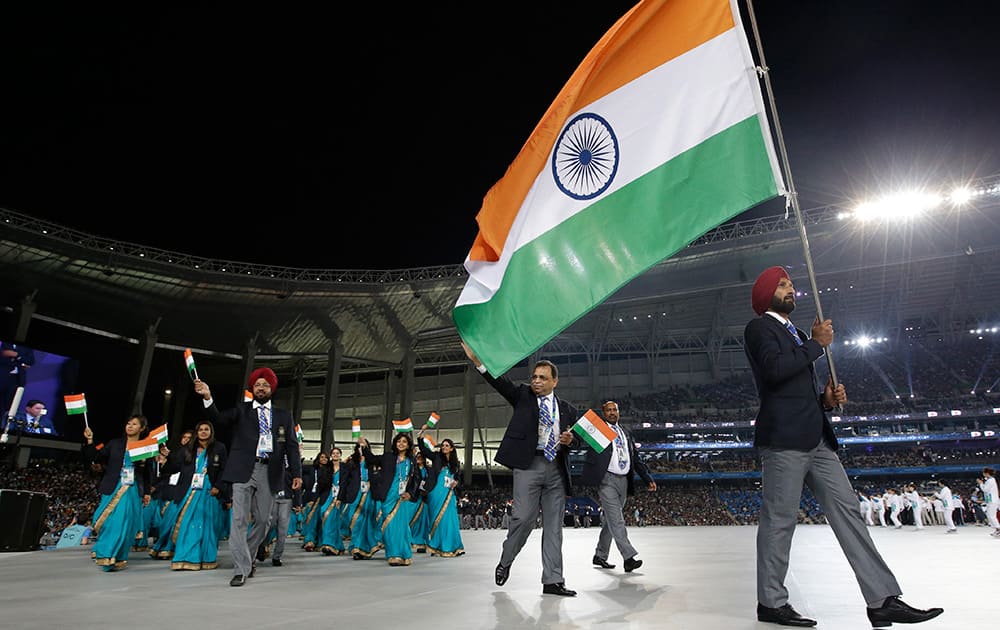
(923, 377)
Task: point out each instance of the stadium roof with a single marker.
(940, 273)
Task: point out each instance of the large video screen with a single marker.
(46, 378)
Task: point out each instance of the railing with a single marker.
(106, 248)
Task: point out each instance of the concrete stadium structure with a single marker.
(380, 345)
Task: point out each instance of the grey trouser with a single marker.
(281, 515)
(251, 501)
(783, 472)
(538, 487)
(613, 492)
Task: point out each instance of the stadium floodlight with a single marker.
(960, 196)
(900, 206)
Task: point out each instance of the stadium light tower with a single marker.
(899, 206)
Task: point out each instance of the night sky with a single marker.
(366, 137)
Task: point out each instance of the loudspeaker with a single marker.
(22, 519)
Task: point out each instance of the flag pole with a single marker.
(793, 196)
(86, 424)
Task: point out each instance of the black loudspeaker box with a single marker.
(22, 519)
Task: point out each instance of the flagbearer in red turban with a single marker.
(263, 373)
(263, 442)
(797, 446)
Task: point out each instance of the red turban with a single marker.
(265, 373)
(764, 288)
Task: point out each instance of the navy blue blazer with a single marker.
(112, 456)
(322, 477)
(386, 464)
(595, 466)
(350, 478)
(42, 424)
(245, 431)
(791, 413)
(437, 463)
(177, 463)
(520, 440)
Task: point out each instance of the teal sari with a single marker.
(195, 535)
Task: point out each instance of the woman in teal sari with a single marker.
(195, 535)
(322, 482)
(124, 489)
(169, 496)
(331, 541)
(359, 511)
(396, 490)
(419, 520)
(444, 537)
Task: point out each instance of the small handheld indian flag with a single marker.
(159, 434)
(355, 428)
(428, 442)
(76, 404)
(189, 362)
(403, 426)
(432, 421)
(594, 431)
(143, 449)
(247, 395)
(299, 435)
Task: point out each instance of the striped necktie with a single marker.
(795, 333)
(265, 423)
(546, 416)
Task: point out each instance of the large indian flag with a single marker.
(658, 136)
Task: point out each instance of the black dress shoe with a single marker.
(631, 564)
(602, 563)
(783, 616)
(895, 610)
(238, 580)
(559, 588)
(502, 573)
(275, 562)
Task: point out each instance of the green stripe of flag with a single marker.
(563, 274)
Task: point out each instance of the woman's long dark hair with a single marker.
(452, 459)
(191, 448)
(355, 457)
